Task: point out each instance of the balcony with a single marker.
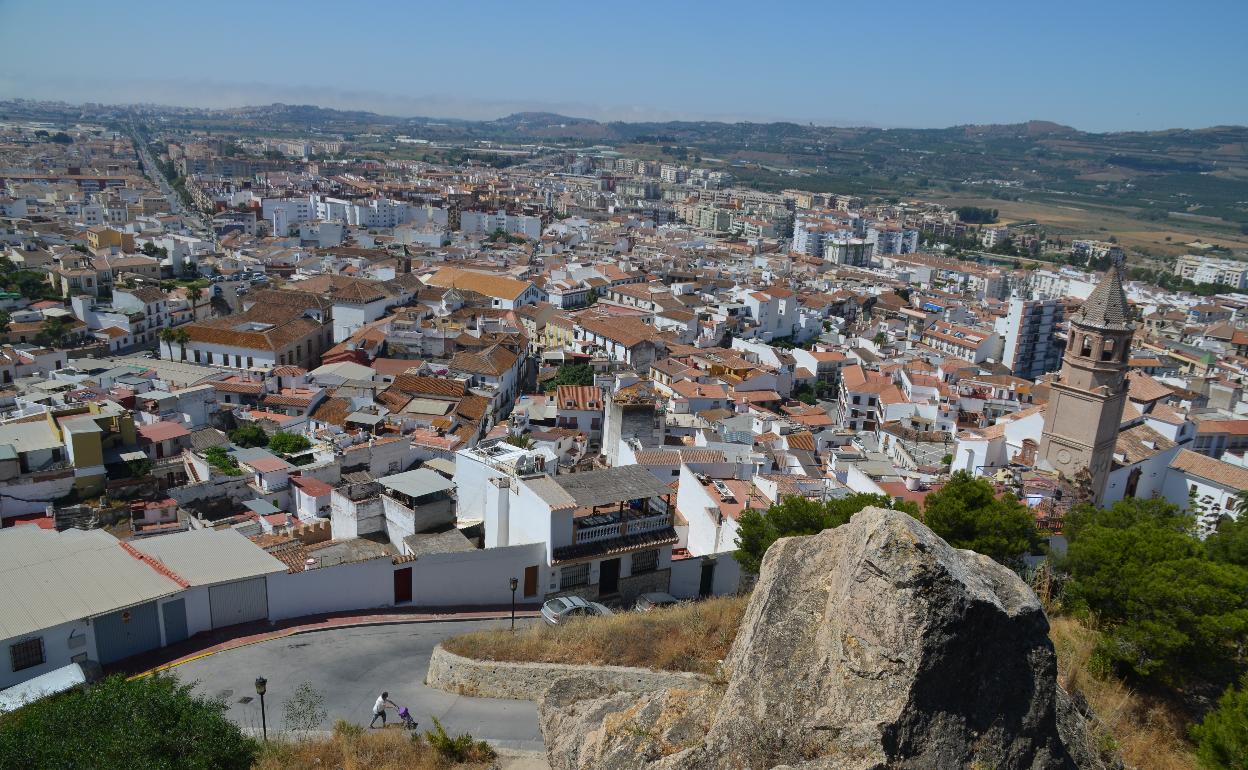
(608, 526)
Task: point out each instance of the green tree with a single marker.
(53, 331)
(288, 443)
(968, 513)
(573, 374)
(757, 530)
(1230, 543)
(5, 321)
(249, 435)
(1222, 737)
(153, 722)
(1168, 611)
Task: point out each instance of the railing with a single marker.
(600, 532)
(627, 526)
(650, 523)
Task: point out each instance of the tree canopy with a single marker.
(757, 530)
(1170, 606)
(288, 443)
(573, 374)
(250, 435)
(968, 513)
(154, 722)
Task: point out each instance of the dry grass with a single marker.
(688, 637)
(353, 748)
(1082, 219)
(1146, 732)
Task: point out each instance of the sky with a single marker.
(1097, 65)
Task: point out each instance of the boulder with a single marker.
(872, 645)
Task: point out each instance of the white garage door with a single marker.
(240, 602)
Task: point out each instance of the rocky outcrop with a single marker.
(874, 645)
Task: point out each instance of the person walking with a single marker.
(379, 709)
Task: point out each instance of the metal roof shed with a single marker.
(208, 556)
(48, 578)
(612, 485)
(416, 483)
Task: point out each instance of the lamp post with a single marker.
(262, 685)
(514, 583)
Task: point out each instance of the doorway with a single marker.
(402, 585)
(609, 577)
(530, 582)
(706, 582)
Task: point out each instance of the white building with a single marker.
(484, 223)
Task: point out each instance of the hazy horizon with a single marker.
(1114, 66)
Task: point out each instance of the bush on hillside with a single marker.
(154, 722)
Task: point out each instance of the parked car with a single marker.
(556, 612)
(656, 600)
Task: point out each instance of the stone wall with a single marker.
(529, 681)
(659, 580)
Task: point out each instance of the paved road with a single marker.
(351, 666)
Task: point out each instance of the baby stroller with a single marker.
(406, 716)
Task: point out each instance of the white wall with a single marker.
(476, 577)
(687, 577)
(706, 534)
(354, 586)
(57, 651)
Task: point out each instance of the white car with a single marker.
(557, 611)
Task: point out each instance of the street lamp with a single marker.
(262, 685)
(514, 583)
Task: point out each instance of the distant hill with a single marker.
(1154, 175)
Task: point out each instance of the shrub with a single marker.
(461, 748)
(305, 709)
(152, 722)
(1222, 738)
(222, 462)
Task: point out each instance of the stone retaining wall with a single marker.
(528, 681)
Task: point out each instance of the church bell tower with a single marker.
(1084, 412)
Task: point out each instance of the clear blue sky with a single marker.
(1094, 64)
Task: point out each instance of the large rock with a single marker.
(873, 645)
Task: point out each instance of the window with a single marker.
(1107, 349)
(645, 561)
(1086, 349)
(573, 576)
(27, 654)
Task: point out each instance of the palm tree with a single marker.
(182, 336)
(1241, 502)
(167, 336)
(195, 293)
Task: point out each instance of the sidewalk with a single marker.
(211, 642)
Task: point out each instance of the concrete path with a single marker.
(232, 637)
(350, 666)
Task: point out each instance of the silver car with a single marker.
(656, 600)
(557, 611)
